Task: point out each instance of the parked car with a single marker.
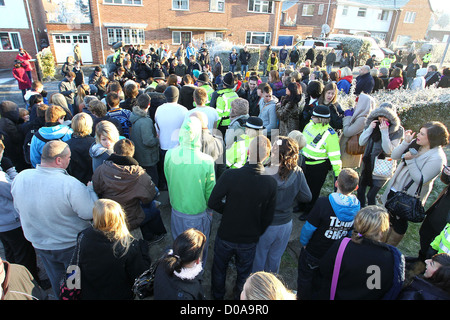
(374, 50)
(337, 45)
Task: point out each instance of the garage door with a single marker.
(64, 44)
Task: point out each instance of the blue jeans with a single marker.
(244, 69)
(270, 248)
(308, 267)
(180, 222)
(244, 254)
(55, 264)
(329, 68)
(232, 67)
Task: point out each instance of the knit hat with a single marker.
(228, 80)
(203, 77)
(196, 73)
(321, 112)
(171, 94)
(254, 123)
(158, 75)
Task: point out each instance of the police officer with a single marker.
(426, 59)
(203, 82)
(321, 153)
(236, 155)
(221, 100)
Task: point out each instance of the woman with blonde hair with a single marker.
(110, 258)
(80, 165)
(369, 269)
(265, 286)
(106, 135)
(178, 275)
(345, 81)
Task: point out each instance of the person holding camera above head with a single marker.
(422, 160)
(381, 135)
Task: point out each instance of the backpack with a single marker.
(27, 142)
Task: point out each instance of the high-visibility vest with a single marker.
(322, 143)
(223, 105)
(426, 58)
(236, 155)
(209, 91)
(442, 242)
(386, 63)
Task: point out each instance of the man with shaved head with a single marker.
(53, 208)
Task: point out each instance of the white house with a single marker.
(365, 17)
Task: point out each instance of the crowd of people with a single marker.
(82, 169)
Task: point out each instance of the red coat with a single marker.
(395, 83)
(25, 61)
(21, 76)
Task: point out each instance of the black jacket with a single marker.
(170, 287)
(253, 99)
(105, 276)
(80, 165)
(250, 203)
(244, 57)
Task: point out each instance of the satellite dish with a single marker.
(325, 29)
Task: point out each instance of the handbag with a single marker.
(144, 284)
(70, 288)
(384, 168)
(337, 267)
(406, 206)
(353, 147)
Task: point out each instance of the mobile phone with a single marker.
(387, 123)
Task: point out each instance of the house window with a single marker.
(125, 2)
(260, 6)
(344, 10)
(383, 15)
(127, 36)
(180, 4)
(258, 38)
(2, 2)
(362, 12)
(214, 35)
(308, 10)
(321, 7)
(10, 41)
(181, 37)
(217, 5)
(410, 17)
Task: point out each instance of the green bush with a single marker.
(47, 64)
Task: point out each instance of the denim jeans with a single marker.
(244, 69)
(329, 68)
(270, 248)
(180, 222)
(55, 264)
(232, 67)
(308, 267)
(244, 254)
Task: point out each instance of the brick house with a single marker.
(97, 24)
(394, 22)
(16, 31)
(301, 19)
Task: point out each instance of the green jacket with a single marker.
(189, 172)
(426, 58)
(442, 242)
(322, 143)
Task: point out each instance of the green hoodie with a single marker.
(189, 172)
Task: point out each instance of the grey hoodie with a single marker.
(98, 154)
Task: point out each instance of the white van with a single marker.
(374, 50)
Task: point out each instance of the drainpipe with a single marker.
(32, 27)
(101, 36)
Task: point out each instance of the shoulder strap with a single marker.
(337, 266)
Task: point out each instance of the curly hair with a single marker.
(287, 149)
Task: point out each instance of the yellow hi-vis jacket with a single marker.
(322, 143)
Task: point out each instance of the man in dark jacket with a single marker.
(364, 82)
(252, 96)
(283, 54)
(246, 214)
(432, 75)
(311, 54)
(244, 58)
(294, 56)
(330, 59)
